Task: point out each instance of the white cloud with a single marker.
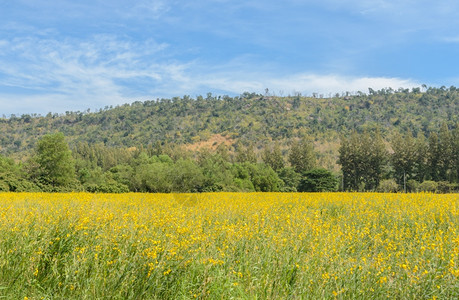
(92, 9)
(149, 9)
(56, 103)
(179, 80)
(450, 39)
(48, 76)
(74, 71)
(42, 74)
(305, 83)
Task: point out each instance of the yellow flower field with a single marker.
(229, 245)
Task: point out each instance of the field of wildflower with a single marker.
(229, 245)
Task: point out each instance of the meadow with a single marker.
(229, 246)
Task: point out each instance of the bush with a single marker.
(318, 180)
(243, 185)
(11, 183)
(290, 178)
(113, 187)
(107, 187)
(428, 186)
(412, 186)
(454, 187)
(262, 177)
(4, 187)
(444, 187)
(387, 186)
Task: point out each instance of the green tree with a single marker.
(388, 186)
(264, 178)
(273, 158)
(433, 157)
(446, 148)
(241, 176)
(349, 159)
(404, 158)
(362, 158)
(428, 186)
(290, 178)
(153, 178)
(455, 156)
(186, 176)
(302, 156)
(54, 161)
(261, 176)
(222, 150)
(12, 177)
(318, 180)
(421, 170)
(377, 157)
(244, 154)
(216, 171)
(122, 174)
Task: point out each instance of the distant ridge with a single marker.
(249, 117)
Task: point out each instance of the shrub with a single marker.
(318, 180)
(4, 187)
(290, 178)
(387, 186)
(444, 187)
(113, 187)
(106, 187)
(412, 186)
(454, 187)
(11, 183)
(428, 186)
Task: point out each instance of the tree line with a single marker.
(408, 163)
(368, 163)
(162, 168)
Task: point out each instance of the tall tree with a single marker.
(404, 157)
(445, 144)
(433, 157)
(302, 156)
(318, 180)
(362, 159)
(421, 171)
(273, 157)
(54, 160)
(349, 159)
(455, 156)
(377, 159)
(244, 154)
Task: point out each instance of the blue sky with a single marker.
(58, 56)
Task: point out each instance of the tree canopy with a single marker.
(54, 164)
(252, 142)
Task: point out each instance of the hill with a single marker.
(248, 118)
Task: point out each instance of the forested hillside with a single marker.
(259, 119)
(385, 141)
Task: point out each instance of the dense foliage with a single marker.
(318, 180)
(266, 143)
(254, 118)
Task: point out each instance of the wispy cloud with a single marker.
(50, 75)
(70, 65)
(305, 83)
(73, 55)
(148, 9)
(92, 73)
(450, 39)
